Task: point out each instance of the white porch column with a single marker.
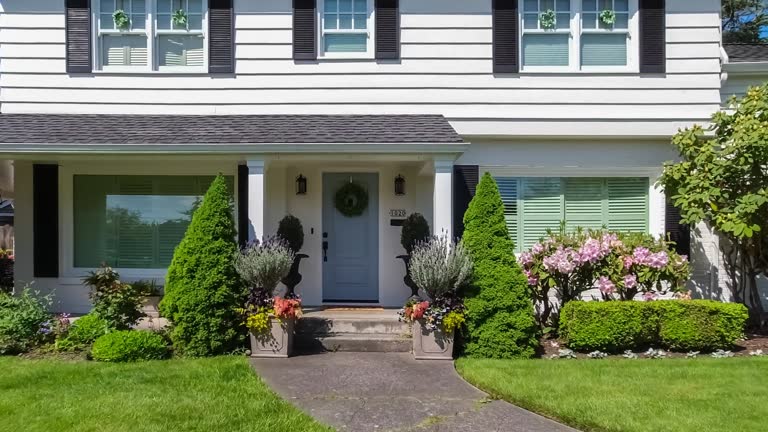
(256, 198)
(657, 208)
(442, 219)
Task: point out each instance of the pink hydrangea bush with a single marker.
(619, 265)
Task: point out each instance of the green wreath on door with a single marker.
(351, 200)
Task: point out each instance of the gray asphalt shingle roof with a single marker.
(229, 129)
(746, 53)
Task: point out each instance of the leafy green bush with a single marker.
(500, 320)
(415, 230)
(698, 325)
(83, 332)
(290, 230)
(24, 321)
(202, 288)
(701, 324)
(118, 303)
(129, 346)
(608, 326)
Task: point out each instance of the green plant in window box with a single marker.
(548, 20)
(121, 20)
(608, 17)
(179, 18)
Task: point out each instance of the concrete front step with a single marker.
(321, 325)
(353, 342)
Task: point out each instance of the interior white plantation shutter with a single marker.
(124, 50)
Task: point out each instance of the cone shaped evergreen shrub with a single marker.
(202, 288)
(500, 320)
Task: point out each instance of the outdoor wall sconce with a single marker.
(301, 185)
(399, 185)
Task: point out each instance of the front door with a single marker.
(351, 243)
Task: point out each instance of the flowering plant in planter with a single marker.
(620, 265)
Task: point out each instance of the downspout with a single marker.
(724, 60)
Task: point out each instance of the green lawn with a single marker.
(681, 395)
(214, 394)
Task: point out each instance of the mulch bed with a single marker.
(753, 342)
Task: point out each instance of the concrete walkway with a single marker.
(361, 392)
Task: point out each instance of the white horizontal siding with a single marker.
(445, 67)
(737, 85)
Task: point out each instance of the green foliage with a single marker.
(744, 20)
(291, 231)
(500, 321)
(675, 324)
(263, 264)
(202, 288)
(83, 332)
(129, 346)
(118, 303)
(415, 230)
(721, 180)
(440, 267)
(24, 321)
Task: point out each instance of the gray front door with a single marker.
(351, 258)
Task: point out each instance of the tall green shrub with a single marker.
(500, 319)
(202, 289)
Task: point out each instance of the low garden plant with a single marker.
(500, 319)
(116, 302)
(620, 265)
(129, 346)
(25, 321)
(681, 325)
(262, 265)
(83, 332)
(439, 268)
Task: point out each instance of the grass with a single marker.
(681, 395)
(213, 394)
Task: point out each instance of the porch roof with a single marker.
(73, 129)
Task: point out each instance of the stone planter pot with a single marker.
(277, 343)
(431, 344)
(150, 306)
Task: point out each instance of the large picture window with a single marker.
(133, 221)
(532, 205)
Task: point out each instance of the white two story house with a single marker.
(115, 115)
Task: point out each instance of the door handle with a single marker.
(325, 247)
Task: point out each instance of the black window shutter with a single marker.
(465, 178)
(221, 35)
(506, 38)
(653, 36)
(304, 30)
(677, 232)
(78, 36)
(45, 220)
(387, 29)
(243, 223)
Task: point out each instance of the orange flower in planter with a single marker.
(287, 308)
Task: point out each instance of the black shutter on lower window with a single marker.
(304, 30)
(221, 37)
(45, 220)
(465, 178)
(506, 38)
(78, 36)
(677, 232)
(243, 224)
(653, 36)
(387, 29)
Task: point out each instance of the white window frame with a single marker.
(369, 53)
(574, 46)
(151, 32)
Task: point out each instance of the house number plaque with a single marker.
(397, 212)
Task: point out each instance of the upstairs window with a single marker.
(346, 28)
(151, 35)
(579, 35)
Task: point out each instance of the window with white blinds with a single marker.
(532, 205)
(133, 221)
(160, 34)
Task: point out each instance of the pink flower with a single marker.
(658, 260)
(591, 252)
(533, 280)
(605, 285)
(628, 261)
(640, 255)
(560, 261)
(610, 241)
(630, 281)
(537, 248)
(649, 296)
(525, 259)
